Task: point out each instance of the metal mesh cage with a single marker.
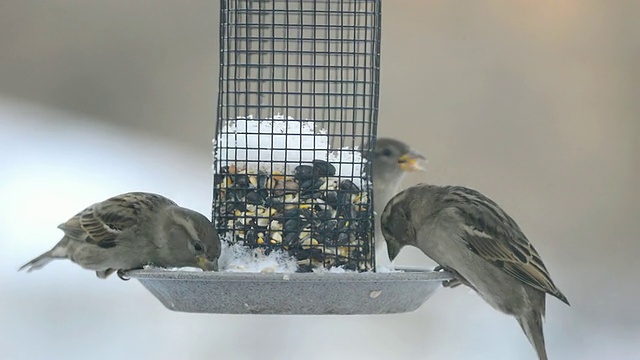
(297, 104)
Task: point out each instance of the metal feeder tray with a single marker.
(292, 293)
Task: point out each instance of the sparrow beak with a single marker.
(409, 161)
(393, 248)
(206, 264)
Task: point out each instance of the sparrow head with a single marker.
(396, 225)
(393, 158)
(191, 239)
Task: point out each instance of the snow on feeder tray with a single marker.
(289, 257)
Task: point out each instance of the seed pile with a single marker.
(319, 219)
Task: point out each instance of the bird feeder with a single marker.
(297, 116)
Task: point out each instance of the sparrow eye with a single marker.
(198, 246)
(386, 152)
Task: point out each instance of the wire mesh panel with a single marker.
(298, 98)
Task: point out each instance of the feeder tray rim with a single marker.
(409, 273)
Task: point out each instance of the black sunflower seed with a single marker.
(331, 198)
(324, 214)
(351, 265)
(348, 185)
(343, 238)
(291, 239)
(240, 180)
(303, 172)
(327, 226)
(323, 168)
(263, 177)
(217, 179)
(311, 195)
(274, 203)
(304, 268)
(311, 184)
(292, 213)
(254, 198)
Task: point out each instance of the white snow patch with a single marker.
(275, 141)
(239, 258)
(186, 268)
(333, 270)
(387, 269)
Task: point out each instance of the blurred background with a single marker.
(533, 103)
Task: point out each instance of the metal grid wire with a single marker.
(298, 93)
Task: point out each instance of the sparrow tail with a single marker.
(58, 252)
(531, 324)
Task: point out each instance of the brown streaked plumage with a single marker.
(131, 230)
(467, 233)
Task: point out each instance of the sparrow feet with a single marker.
(457, 281)
(122, 276)
(451, 283)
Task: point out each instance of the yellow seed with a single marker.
(343, 251)
(272, 241)
(260, 241)
(276, 236)
(252, 208)
(309, 242)
(275, 225)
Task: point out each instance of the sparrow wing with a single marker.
(493, 235)
(103, 222)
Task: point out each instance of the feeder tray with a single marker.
(293, 293)
(295, 127)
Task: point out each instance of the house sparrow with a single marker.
(470, 236)
(131, 230)
(392, 159)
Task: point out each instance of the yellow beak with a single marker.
(206, 264)
(409, 161)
